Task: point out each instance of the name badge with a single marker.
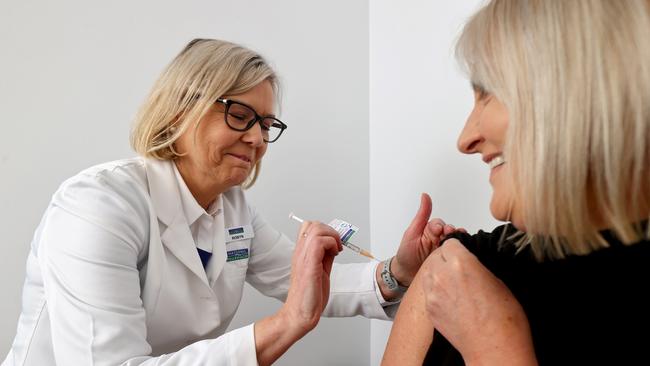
(239, 233)
(237, 254)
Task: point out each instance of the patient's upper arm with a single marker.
(412, 330)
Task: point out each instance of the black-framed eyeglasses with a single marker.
(241, 117)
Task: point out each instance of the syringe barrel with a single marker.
(353, 247)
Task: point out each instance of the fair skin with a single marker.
(454, 292)
(485, 134)
(217, 158)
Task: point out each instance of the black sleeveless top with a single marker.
(592, 309)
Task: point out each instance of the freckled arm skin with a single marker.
(412, 330)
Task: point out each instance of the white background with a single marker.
(419, 100)
(371, 93)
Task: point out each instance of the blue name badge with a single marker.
(239, 233)
(237, 254)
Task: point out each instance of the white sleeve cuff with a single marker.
(234, 348)
(353, 292)
(241, 346)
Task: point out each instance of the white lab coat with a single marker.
(114, 278)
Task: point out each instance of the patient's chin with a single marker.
(503, 212)
(499, 210)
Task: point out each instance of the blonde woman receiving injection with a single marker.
(561, 117)
(143, 261)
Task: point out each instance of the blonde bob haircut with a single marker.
(574, 76)
(205, 70)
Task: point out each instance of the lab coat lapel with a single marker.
(218, 259)
(165, 197)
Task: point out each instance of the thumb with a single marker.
(422, 216)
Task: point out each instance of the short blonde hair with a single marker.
(205, 70)
(575, 78)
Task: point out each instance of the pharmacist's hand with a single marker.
(311, 264)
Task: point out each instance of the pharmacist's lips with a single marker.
(245, 158)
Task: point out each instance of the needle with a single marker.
(351, 246)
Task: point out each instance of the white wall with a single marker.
(74, 72)
(419, 101)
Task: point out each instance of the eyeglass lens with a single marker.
(241, 118)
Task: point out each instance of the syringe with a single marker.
(343, 235)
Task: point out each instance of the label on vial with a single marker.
(345, 229)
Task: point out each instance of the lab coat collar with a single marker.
(193, 211)
(163, 190)
(191, 208)
(165, 198)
